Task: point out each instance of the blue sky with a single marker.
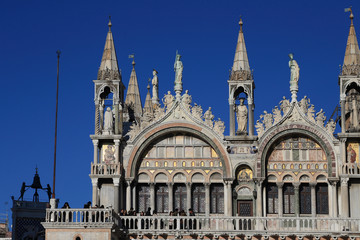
(204, 33)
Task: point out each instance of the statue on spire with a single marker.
(178, 68)
(155, 88)
(294, 77)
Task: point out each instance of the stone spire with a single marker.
(109, 69)
(351, 64)
(241, 67)
(148, 108)
(133, 100)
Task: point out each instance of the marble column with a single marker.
(122, 205)
(116, 120)
(117, 147)
(344, 197)
(171, 196)
(227, 198)
(343, 153)
(116, 182)
(101, 113)
(97, 118)
(207, 199)
(134, 196)
(128, 195)
(334, 198)
(95, 194)
(280, 198)
(96, 150)
(297, 198)
(259, 210)
(313, 198)
(232, 116)
(251, 116)
(152, 196)
(342, 104)
(188, 196)
(121, 119)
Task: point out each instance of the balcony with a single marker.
(109, 169)
(213, 226)
(352, 169)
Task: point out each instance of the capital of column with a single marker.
(279, 184)
(312, 184)
(333, 183)
(188, 184)
(95, 142)
(296, 185)
(207, 184)
(116, 101)
(343, 140)
(258, 181)
(94, 181)
(117, 142)
(250, 100)
(228, 182)
(151, 184)
(170, 184)
(231, 101)
(344, 181)
(116, 181)
(342, 97)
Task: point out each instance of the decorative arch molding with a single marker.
(101, 89)
(143, 143)
(295, 129)
(348, 83)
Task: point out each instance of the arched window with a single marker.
(180, 197)
(143, 199)
(162, 198)
(305, 199)
(217, 198)
(198, 198)
(272, 198)
(289, 199)
(322, 199)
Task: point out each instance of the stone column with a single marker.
(344, 197)
(97, 120)
(128, 195)
(232, 116)
(152, 196)
(117, 155)
(227, 198)
(122, 196)
(95, 198)
(134, 196)
(297, 198)
(343, 153)
(207, 199)
(96, 150)
(259, 210)
(116, 182)
(116, 120)
(280, 198)
(313, 198)
(101, 113)
(121, 119)
(171, 195)
(188, 196)
(342, 104)
(251, 116)
(334, 197)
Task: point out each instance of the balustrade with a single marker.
(350, 168)
(105, 169)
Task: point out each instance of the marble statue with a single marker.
(186, 100)
(284, 105)
(259, 128)
(208, 116)
(311, 113)
(330, 126)
(168, 100)
(178, 68)
(320, 117)
(294, 77)
(354, 115)
(219, 127)
(242, 114)
(155, 88)
(108, 121)
(277, 114)
(196, 111)
(268, 119)
(304, 104)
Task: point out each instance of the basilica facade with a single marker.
(169, 170)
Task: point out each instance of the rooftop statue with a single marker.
(108, 122)
(178, 68)
(242, 114)
(294, 77)
(155, 88)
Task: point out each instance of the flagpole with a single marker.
(56, 117)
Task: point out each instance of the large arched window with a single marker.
(289, 199)
(217, 198)
(162, 198)
(322, 199)
(272, 198)
(198, 198)
(143, 197)
(305, 199)
(180, 197)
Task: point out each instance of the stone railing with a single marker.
(220, 225)
(105, 169)
(73, 216)
(350, 168)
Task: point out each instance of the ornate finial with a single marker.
(351, 14)
(133, 57)
(148, 86)
(109, 24)
(241, 23)
(36, 169)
